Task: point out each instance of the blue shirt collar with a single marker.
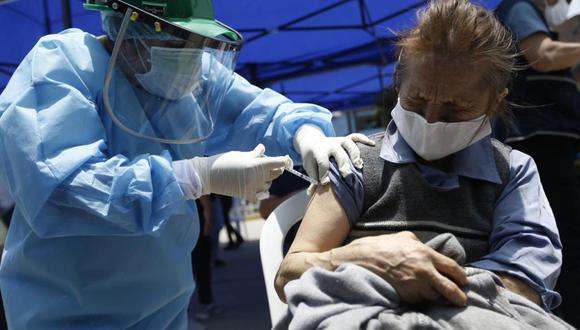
(476, 161)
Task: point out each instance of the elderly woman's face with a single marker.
(441, 92)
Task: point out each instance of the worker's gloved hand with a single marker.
(316, 150)
(234, 173)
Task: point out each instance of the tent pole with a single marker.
(66, 15)
(363, 19)
(46, 17)
(286, 25)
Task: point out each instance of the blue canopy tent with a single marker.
(337, 53)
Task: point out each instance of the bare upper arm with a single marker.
(325, 225)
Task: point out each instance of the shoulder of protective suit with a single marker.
(72, 57)
(66, 41)
(48, 63)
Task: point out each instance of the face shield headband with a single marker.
(161, 25)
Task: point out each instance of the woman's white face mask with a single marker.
(432, 141)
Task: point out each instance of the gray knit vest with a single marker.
(398, 198)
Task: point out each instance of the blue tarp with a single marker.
(337, 53)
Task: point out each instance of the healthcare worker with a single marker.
(105, 142)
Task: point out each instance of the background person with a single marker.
(201, 259)
(546, 124)
(235, 239)
(6, 203)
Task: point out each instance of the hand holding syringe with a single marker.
(301, 176)
(265, 194)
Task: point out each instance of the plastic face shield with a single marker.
(164, 83)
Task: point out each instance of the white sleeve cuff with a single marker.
(187, 178)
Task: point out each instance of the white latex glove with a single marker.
(316, 150)
(234, 173)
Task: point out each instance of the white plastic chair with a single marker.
(271, 246)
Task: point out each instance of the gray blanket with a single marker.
(352, 297)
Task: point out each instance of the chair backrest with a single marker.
(271, 241)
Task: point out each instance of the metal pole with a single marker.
(363, 18)
(351, 121)
(46, 17)
(66, 15)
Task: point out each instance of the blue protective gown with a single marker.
(101, 234)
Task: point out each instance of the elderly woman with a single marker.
(437, 170)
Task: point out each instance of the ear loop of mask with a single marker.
(128, 63)
(145, 48)
(137, 50)
(485, 120)
(397, 74)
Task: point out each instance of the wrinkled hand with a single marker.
(241, 174)
(316, 150)
(415, 270)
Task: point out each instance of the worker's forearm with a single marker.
(558, 55)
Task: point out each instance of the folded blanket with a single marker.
(352, 297)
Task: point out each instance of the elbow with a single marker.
(543, 65)
(546, 60)
(291, 268)
(286, 273)
(279, 284)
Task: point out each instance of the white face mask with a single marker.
(556, 15)
(433, 141)
(174, 72)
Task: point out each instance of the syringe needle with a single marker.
(302, 176)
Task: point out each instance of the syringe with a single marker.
(261, 195)
(300, 175)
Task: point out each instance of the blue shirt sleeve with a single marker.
(348, 190)
(522, 18)
(524, 241)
